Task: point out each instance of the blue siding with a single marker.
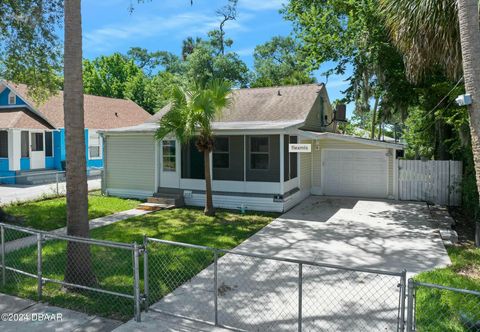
(50, 162)
(24, 164)
(4, 98)
(58, 148)
(4, 171)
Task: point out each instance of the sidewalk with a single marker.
(94, 223)
(22, 193)
(59, 319)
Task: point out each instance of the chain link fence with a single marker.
(233, 289)
(87, 275)
(435, 308)
(253, 292)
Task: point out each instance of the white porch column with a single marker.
(14, 149)
(282, 164)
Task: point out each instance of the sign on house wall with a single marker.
(300, 148)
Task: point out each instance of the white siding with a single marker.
(305, 169)
(130, 165)
(235, 202)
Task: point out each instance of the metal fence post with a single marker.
(403, 288)
(136, 282)
(215, 284)
(410, 305)
(56, 179)
(145, 272)
(39, 266)
(2, 235)
(300, 295)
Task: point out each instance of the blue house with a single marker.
(32, 136)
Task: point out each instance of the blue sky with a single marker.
(162, 25)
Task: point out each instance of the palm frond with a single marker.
(427, 33)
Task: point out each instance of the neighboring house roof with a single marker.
(21, 118)
(266, 105)
(355, 139)
(100, 112)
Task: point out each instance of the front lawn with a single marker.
(113, 267)
(443, 310)
(51, 214)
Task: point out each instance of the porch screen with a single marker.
(3, 144)
(48, 144)
(25, 143)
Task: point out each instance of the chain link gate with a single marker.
(255, 292)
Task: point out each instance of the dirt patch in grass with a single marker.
(471, 271)
(464, 226)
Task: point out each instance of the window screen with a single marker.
(259, 152)
(3, 144)
(25, 143)
(48, 144)
(221, 153)
(169, 156)
(37, 141)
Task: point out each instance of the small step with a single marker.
(154, 207)
(168, 199)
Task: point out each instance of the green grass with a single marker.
(50, 214)
(442, 310)
(113, 267)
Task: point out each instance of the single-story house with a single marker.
(32, 137)
(252, 166)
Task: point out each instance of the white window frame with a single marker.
(169, 142)
(12, 99)
(100, 143)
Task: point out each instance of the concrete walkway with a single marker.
(262, 295)
(22, 193)
(94, 223)
(65, 320)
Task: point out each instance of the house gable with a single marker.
(320, 109)
(4, 99)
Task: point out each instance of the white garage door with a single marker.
(360, 173)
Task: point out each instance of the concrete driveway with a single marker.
(263, 295)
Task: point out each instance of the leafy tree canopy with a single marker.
(277, 62)
(29, 49)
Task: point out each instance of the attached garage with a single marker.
(355, 173)
(351, 166)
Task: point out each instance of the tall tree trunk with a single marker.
(374, 118)
(209, 210)
(78, 266)
(470, 39)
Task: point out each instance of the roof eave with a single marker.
(353, 139)
(28, 104)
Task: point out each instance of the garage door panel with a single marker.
(355, 173)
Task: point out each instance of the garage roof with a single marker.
(354, 139)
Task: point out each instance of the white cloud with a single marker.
(257, 5)
(180, 25)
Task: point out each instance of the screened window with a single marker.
(48, 144)
(37, 141)
(25, 143)
(3, 144)
(293, 160)
(12, 99)
(94, 145)
(221, 152)
(169, 156)
(259, 153)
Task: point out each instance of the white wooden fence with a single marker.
(434, 181)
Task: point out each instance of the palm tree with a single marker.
(192, 111)
(441, 34)
(78, 267)
(470, 39)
